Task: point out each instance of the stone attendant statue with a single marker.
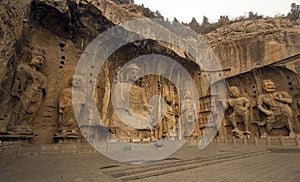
(67, 120)
(240, 106)
(28, 90)
(188, 111)
(169, 121)
(136, 115)
(275, 106)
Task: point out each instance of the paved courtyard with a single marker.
(215, 163)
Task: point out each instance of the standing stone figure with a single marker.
(240, 106)
(275, 106)
(189, 113)
(28, 90)
(67, 121)
(131, 109)
(169, 121)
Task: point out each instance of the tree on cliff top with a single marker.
(124, 1)
(295, 12)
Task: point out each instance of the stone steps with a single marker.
(166, 167)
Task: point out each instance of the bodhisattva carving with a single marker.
(275, 106)
(28, 89)
(135, 118)
(240, 106)
(169, 121)
(189, 113)
(67, 125)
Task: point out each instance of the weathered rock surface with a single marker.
(12, 16)
(250, 44)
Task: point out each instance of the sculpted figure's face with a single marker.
(37, 62)
(268, 86)
(76, 82)
(188, 95)
(234, 92)
(132, 75)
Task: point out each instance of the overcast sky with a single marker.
(184, 10)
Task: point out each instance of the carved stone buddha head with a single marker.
(131, 73)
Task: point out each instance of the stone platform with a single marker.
(217, 162)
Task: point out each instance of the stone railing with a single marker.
(10, 151)
(62, 149)
(269, 141)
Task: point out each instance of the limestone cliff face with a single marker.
(119, 13)
(250, 44)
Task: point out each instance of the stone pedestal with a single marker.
(26, 137)
(67, 137)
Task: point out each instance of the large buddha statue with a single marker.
(131, 109)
